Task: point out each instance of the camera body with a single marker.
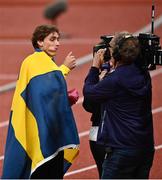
(150, 50)
(104, 44)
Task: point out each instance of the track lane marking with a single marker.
(81, 170)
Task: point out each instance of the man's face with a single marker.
(112, 61)
(50, 44)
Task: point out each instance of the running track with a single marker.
(85, 21)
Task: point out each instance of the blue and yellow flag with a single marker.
(41, 120)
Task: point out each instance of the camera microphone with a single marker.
(152, 17)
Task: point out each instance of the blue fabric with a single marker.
(125, 95)
(38, 50)
(66, 165)
(20, 160)
(45, 97)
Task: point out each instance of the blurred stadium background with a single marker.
(83, 23)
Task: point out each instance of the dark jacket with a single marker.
(93, 108)
(125, 95)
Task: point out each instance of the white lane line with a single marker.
(156, 72)
(7, 87)
(85, 59)
(80, 100)
(157, 110)
(81, 170)
(84, 133)
(1, 158)
(4, 124)
(158, 147)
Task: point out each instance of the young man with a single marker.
(126, 128)
(42, 136)
(46, 38)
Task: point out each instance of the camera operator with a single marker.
(125, 95)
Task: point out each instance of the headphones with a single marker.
(118, 45)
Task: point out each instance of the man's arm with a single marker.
(68, 65)
(96, 90)
(64, 69)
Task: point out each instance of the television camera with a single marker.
(150, 54)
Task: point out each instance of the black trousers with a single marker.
(127, 163)
(98, 152)
(52, 169)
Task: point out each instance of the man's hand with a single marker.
(70, 61)
(98, 58)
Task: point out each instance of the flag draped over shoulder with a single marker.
(41, 120)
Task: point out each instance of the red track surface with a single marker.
(85, 21)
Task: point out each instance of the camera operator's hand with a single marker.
(98, 58)
(70, 61)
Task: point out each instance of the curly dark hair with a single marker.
(41, 32)
(125, 47)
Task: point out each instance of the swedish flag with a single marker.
(41, 120)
